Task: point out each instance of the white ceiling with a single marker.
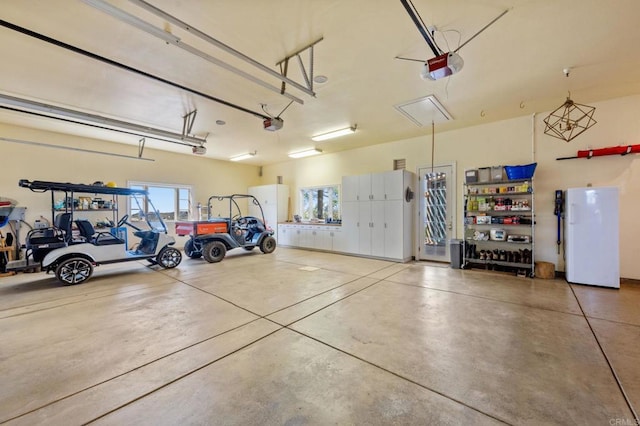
(513, 68)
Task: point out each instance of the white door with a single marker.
(437, 212)
(364, 227)
(378, 228)
(349, 188)
(364, 187)
(394, 185)
(393, 229)
(377, 186)
(350, 228)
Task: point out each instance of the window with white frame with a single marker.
(320, 202)
(173, 202)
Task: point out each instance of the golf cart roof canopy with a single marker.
(43, 186)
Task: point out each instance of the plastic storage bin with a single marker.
(520, 172)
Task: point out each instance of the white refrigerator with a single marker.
(592, 251)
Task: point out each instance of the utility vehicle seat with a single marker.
(97, 238)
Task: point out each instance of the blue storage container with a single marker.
(520, 172)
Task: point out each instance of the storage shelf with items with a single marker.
(84, 205)
(499, 220)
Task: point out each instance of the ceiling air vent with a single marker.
(399, 164)
(423, 111)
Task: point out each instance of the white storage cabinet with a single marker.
(376, 217)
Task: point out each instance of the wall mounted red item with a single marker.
(599, 152)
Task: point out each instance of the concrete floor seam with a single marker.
(142, 366)
(400, 376)
(139, 351)
(609, 320)
(326, 306)
(606, 358)
(485, 298)
(189, 373)
(319, 294)
(334, 270)
(221, 298)
(65, 304)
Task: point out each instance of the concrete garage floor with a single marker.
(299, 337)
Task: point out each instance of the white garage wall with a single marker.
(505, 142)
(508, 142)
(206, 176)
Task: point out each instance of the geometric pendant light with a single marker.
(570, 120)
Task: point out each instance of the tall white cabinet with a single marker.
(274, 200)
(377, 216)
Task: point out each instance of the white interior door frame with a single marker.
(452, 205)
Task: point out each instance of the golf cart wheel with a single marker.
(249, 248)
(268, 245)
(214, 251)
(74, 271)
(169, 257)
(190, 250)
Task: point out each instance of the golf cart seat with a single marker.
(96, 238)
(57, 236)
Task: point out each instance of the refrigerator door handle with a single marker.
(573, 214)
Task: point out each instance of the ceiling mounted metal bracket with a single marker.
(169, 38)
(190, 29)
(187, 122)
(141, 143)
(308, 77)
(73, 116)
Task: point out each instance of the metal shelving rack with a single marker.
(480, 201)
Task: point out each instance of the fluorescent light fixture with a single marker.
(334, 134)
(306, 153)
(243, 156)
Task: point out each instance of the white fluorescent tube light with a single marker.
(132, 20)
(334, 134)
(306, 153)
(243, 156)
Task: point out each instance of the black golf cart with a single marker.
(212, 238)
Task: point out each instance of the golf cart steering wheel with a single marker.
(123, 220)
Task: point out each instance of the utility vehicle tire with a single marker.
(249, 248)
(268, 245)
(74, 271)
(190, 250)
(169, 257)
(214, 251)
